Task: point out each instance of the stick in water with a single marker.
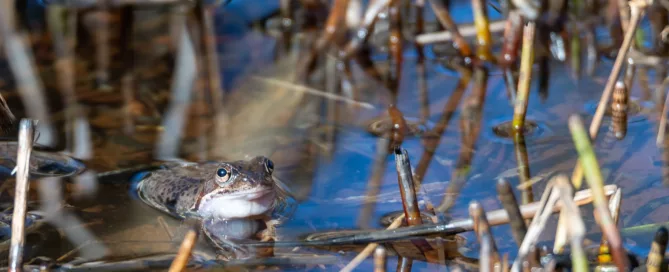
(181, 260)
(26, 132)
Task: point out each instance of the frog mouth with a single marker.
(250, 194)
(253, 194)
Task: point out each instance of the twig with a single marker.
(596, 183)
(370, 248)
(181, 260)
(26, 134)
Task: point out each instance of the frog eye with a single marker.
(223, 175)
(269, 166)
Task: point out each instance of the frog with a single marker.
(218, 194)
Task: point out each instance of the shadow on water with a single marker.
(329, 174)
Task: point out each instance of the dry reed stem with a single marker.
(181, 260)
(380, 259)
(595, 181)
(409, 199)
(370, 248)
(483, 37)
(464, 30)
(486, 253)
(576, 226)
(577, 175)
(608, 89)
(26, 134)
(444, 16)
(525, 77)
(662, 128)
(558, 188)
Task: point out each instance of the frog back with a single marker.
(175, 190)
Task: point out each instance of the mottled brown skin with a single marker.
(181, 191)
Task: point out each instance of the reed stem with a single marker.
(26, 135)
(525, 77)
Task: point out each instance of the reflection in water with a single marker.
(470, 125)
(310, 136)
